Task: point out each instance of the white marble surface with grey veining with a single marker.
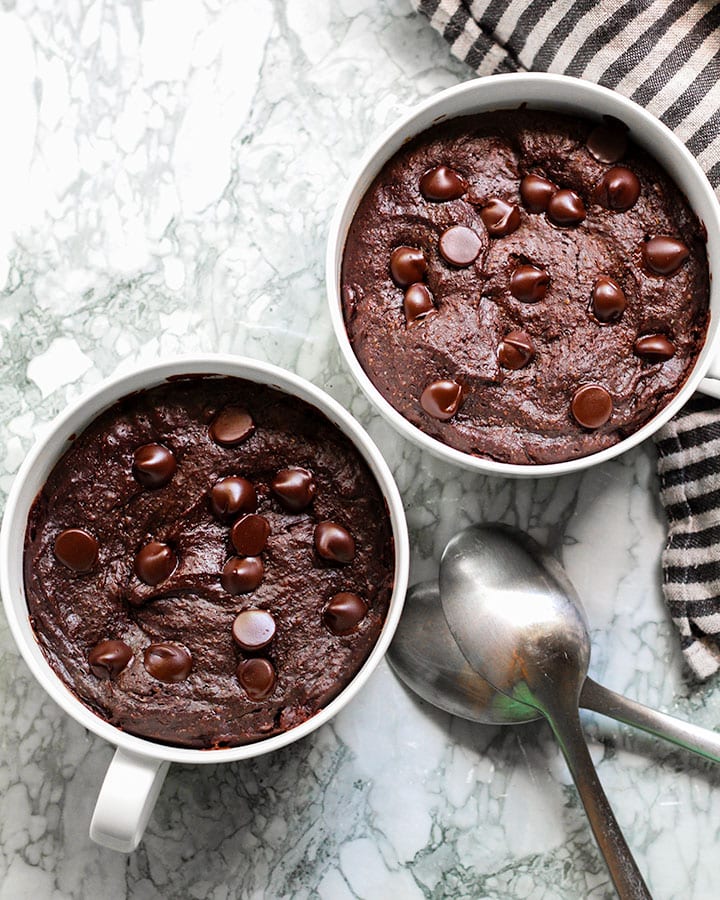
(168, 170)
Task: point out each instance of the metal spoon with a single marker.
(508, 608)
(425, 655)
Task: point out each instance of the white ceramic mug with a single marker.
(137, 771)
(559, 93)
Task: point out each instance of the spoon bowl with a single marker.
(425, 655)
(514, 614)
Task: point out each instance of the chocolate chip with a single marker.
(536, 192)
(418, 303)
(442, 183)
(242, 575)
(76, 549)
(407, 265)
(232, 495)
(249, 534)
(591, 406)
(618, 189)
(516, 350)
(231, 426)
(108, 658)
(566, 208)
(168, 662)
(442, 399)
(654, 348)
(529, 283)
(256, 677)
(664, 255)
(344, 612)
(607, 143)
(253, 629)
(608, 300)
(153, 465)
(500, 217)
(295, 488)
(460, 245)
(335, 543)
(155, 563)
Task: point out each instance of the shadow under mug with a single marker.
(136, 773)
(558, 93)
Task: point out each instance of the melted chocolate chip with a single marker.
(153, 465)
(256, 677)
(76, 549)
(664, 255)
(155, 563)
(334, 543)
(231, 426)
(654, 348)
(442, 183)
(500, 217)
(536, 192)
(295, 488)
(607, 143)
(253, 629)
(608, 300)
(232, 495)
(240, 575)
(618, 189)
(460, 246)
(442, 399)
(168, 662)
(418, 303)
(566, 208)
(516, 350)
(407, 265)
(344, 613)
(249, 534)
(108, 658)
(591, 406)
(529, 283)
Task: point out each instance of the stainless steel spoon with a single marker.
(509, 610)
(425, 655)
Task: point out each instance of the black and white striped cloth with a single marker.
(689, 469)
(665, 55)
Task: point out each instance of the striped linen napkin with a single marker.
(689, 469)
(664, 55)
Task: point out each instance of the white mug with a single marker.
(559, 93)
(137, 771)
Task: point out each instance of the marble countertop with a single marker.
(167, 174)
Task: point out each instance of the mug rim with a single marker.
(563, 86)
(79, 415)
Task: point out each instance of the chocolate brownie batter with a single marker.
(525, 286)
(209, 563)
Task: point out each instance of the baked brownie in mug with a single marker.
(209, 563)
(526, 286)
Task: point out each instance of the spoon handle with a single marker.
(623, 869)
(692, 737)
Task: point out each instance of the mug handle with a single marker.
(711, 385)
(126, 800)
